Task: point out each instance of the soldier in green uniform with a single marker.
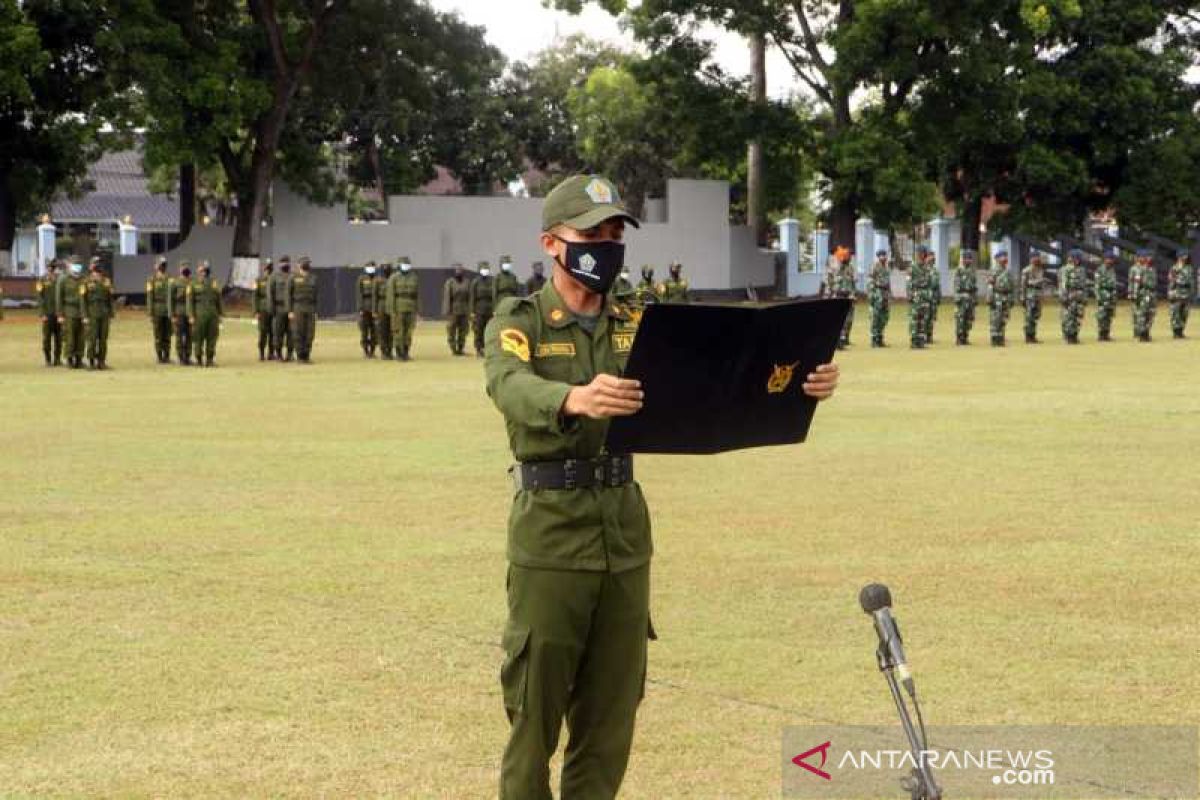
(365, 293)
(262, 311)
(536, 281)
(204, 312)
(97, 299)
(383, 316)
(879, 297)
(158, 287)
(302, 310)
(1143, 288)
(579, 543)
(966, 295)
(46, 290)
(506, 283)
(646, 291)
(481, 304)
(68, 299)
(839, 283)
(1030, 288)
(1105, 287)
(1072, 295)
(934, 300)
(675, 289)
(1001, 282)
(456, 308)
(622, 290)
(177, 308)
(404, 294)
(1181, 288)
(919, 292)
(281, 330)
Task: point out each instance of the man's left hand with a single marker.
(822, 382)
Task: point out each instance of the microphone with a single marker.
(876, 600)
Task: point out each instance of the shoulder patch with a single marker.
(516, 342)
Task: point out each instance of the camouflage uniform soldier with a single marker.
(536, 281)
(302, 310)
(1001, 282)
(96, 298)
(1033, 283)
(365, 293)
(404, 294)
(506, 283)
(879, 297)
(481, 304)
(68, 299)
(262, 311)
(919, 294)
(281, 330)
(966, 295)
(1105, 288)
(1072, 294)
(46, 291)
(177, 307)
(456, 308)
(204, 313)
(675, 289)
(1143, 285)
(934, 296)
(839, 283)
(383, 316)
(158, 287)
(1181, 288)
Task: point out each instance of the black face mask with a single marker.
(594, 264)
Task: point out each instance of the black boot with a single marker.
(48, 361)
(1178, 334)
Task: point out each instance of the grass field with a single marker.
(277, 581)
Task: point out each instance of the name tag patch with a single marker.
(550, 349)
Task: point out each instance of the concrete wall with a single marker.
(438, 231)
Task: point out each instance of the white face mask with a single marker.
(506, 267)
(485, 272)
(625, 275)
(405, 267)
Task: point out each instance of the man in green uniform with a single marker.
(383, 315)
(839, 283)
(204, 314)
(646, 291)
(481, 304)
(506, 283)
(879, 297)
(281, 330)
(177, 308)
(456, 308)
(68, 299)
(403, 296)
(1143, 294)
(1181, 288)
(1072, 295)
(1104, 286)
(158, 287)
(1001, 282)
(537, 280)
(302, 310)
(579, 544)
(262, 311)
(365, 293)
(1033, 283)
(918, 299)
(966, 295)
(97, 298)
(46, 290)
(675, 289)
(934, 298)
(622, 289)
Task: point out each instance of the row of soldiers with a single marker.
(1074, 287)
(285, 310)
(76, 312)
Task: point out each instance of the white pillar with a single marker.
(939, 242)
(789, 243)
(46, 246)
(127, 237)
(864, 241)
(820, 256)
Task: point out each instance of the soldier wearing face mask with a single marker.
(456, 308)
(482, 291)
(506, 283)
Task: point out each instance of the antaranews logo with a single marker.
(823, 749)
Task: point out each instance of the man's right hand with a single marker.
(606, 396)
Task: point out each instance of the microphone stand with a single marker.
(924, 787)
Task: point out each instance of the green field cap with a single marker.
(582, 202)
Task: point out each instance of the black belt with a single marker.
(609, 471)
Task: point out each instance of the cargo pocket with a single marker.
(515, 669)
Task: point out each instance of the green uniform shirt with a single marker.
(456, 297)
(157, 289)
(675, 291)
(966, 283)
(1105, 284)
(68, 297)
(403, 292)
(481, 295)
(203, 298)
(1072, 283)
(279, 291)
(365, 292)
(380, 283)
(536, 351)
(177, 296)
(262, 294)
(303, 295)
(1002, 284)
(535, 284)
(505, 285)
(97, 295)
(1181, 281)
(47, 297)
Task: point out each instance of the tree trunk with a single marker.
(8, 223)
(252, 197)
(377, 168)
(187, 199)
(972, 212)
(844, 213)
(756, 211)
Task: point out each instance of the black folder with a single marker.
(720, 378)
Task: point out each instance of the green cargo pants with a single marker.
(205, 335)
(383, 334)
(304, 331)
(456, 332)
(73, 339)
(402, 331)
(574, 647)
(97, 339)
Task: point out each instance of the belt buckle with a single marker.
(569, 473)
(598, 473)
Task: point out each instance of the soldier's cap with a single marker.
(93, 261)
(1144, 252)
(305, 261)
(582, 202)
(968, 256)
(403, 260)
(922, 250)
(505, 259)
(161, 261)
(185, 264)
(538, 266)
(1075, 253)
(1001, 254)
(482, 265)
(880, 253)
(1181, 253)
